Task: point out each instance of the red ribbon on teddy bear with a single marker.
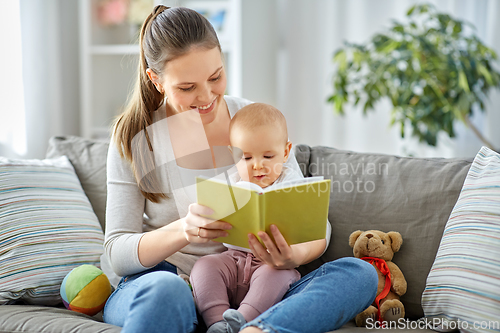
(384, 269)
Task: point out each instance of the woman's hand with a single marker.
(199, 229)
(161, 243)
(278, 254)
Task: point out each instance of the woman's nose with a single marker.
(205, 95)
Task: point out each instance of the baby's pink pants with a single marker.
(236, 279)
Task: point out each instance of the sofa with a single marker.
(413, 196)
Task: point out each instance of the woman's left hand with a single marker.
(277, 253)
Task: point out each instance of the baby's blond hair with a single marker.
(259, 114)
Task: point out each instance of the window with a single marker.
(12, 113)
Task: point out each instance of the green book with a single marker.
(298, 208)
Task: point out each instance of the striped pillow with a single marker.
(463, 286)
(47, 228)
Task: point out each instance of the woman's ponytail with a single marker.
(166, 34)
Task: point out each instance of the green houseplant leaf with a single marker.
(432, 70)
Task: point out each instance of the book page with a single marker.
(293, 182)
(300, 211)
(237, 205)
(216, 194)
(239, 200)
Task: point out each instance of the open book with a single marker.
(298, 208)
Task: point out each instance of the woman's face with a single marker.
(195, 81)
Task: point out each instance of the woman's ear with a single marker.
(288, 148)
(155, 79)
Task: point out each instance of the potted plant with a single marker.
(432, 70)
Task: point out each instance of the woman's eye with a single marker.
(217, 78)
(187, 89)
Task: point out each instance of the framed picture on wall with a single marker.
(218, 14)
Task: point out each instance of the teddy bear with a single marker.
(378, 248)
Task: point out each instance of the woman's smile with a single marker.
(206, 108)
(195, 81)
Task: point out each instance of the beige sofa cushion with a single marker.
(89, 160)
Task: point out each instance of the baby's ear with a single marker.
(288, 148)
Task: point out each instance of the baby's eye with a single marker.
(247, 158)
(269, 156)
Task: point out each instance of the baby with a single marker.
(221, 282)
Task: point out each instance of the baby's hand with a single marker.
(276, 254)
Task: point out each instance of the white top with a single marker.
(188, 177)
(129, 215)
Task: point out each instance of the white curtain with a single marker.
(12, 117)
(312, 30)
(50, 75)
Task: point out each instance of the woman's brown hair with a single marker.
(166, 34)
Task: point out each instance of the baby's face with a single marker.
(264, 152)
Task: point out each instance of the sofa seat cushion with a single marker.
(413, 196)
(40, 319)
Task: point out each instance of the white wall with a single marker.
(286, 51)
(259, 47)
(309, 32)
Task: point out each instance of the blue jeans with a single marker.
(158, 301)
(323, 300)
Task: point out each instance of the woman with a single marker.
(174, 128)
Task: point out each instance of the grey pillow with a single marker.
(413, 196)
(42, 319)
(88, 157)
